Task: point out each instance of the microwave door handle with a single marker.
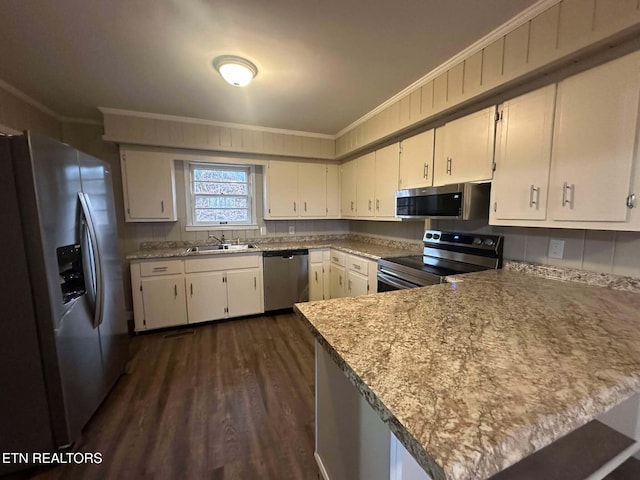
(95, 251)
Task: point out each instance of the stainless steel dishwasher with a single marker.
(286, 278)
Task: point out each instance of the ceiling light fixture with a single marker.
(236, 71)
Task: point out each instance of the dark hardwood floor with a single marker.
(229, 400)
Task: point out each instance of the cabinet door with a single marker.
(357, 284)
(333, 190)
(387, 165)
(365, 185)
(312, 189)
(164, 302)
(523, 154)
(338, 281)
(348, 189)
(149, 186)
(440, 163)
(416, 161)
(206, 297)
(326, 279)
(244, 292)
(594, 142)
(469, 147)
(316, 282)
(282, 189)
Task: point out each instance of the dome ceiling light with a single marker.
(236, 71)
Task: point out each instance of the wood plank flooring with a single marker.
(224, 401)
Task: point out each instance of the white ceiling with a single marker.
(322, 63)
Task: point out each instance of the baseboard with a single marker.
(323, 472)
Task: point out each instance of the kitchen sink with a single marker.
(212, 248)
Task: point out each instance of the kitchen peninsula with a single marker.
(475, 375)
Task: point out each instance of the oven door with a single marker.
(388, 282)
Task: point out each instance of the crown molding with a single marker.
(215, 123)
(507, 27)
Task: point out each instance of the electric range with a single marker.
(444, 254)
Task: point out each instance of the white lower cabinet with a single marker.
(163, 301)
(352, 275)
(319, 274)
(176, 292)
(338, 281)
(206, 296)
(244, 292)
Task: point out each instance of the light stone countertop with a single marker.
(473, 376)
(369, 250)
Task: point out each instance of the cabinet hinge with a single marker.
(367, 287)
(498, 116)
(400, 148)
(129, 211)
(140, 287)
(493, 167)
(144, 322)
(495, 206)
(269, 210)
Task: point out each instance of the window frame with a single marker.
(192, 225)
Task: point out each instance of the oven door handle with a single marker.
(395, 282)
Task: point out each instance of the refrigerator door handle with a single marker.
(95, 252)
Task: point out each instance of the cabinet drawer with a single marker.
(357, 264)
(222, 262)
(339, 258)
(315, 256)
(166, 267)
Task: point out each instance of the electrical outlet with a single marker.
(556, 248)
(263, 230)
(292, 229)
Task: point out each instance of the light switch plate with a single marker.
(556, 248)
(292, 229)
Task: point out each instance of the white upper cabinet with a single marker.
(593, 174)
(386, 181)
(365, 185)
(523, 154)
(416, 161)
(467, 149)
(333, 190)
(348, 189)
(148, 180)
(312, 189)
(301, 190)
(596, 129)
(282, 189)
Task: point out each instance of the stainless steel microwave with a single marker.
(461, 201)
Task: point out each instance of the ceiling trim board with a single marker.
(507, 27)
(215, 123)
(44, 109)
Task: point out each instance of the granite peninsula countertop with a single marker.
(473, 376)
(369, 250)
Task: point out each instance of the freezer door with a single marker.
(48, 179)
(24, 416)
(98, 194)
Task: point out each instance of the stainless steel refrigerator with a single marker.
(63, 335)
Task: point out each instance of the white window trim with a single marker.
(190, 227)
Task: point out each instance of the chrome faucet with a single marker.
(220, 240)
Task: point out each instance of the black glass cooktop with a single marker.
(435, 266)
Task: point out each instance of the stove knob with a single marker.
(489, 242)
(477, 241)
(436, 236)
(428, 235)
